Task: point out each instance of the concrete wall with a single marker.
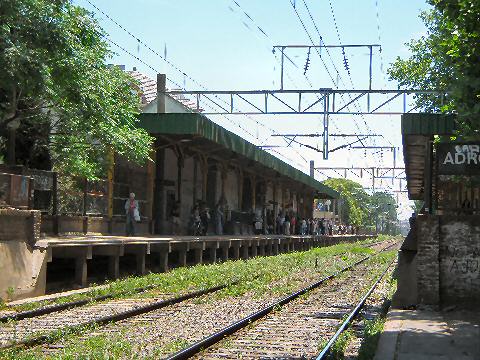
(23, 225)
(459, 255)
(427, 260)
(23, 267)
(444, 269)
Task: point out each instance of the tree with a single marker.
(57, 90)
(384, 213)
(417, 206)
(355, 206)
(446, 59)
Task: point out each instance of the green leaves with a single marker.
(446, 59)
(54, 66)
(361, 209)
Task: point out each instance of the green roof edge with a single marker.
(198, 124)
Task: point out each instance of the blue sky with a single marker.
(219, 46)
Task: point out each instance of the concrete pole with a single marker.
(161, 88)
(110, 180)
(213, 254)
(204, 166)
(198, 256)
(163, 260)
(224, 253)
(240, 188)
(236, 250)
(245, 250)
(182, 257)
(81, 270)
(159, 189)
(180, 164)
(140, 261)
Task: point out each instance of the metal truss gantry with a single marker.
(295, 102)
(326, 102)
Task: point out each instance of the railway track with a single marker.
(292, 327)
(99, 314)
(48, 306)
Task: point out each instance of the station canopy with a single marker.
(417, 130)
(199, 134)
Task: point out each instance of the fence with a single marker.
(63, 195)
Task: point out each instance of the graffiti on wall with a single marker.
(461, 260)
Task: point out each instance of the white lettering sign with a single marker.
(464, 154)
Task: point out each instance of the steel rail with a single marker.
(65, 306)
(45, 339)
(240, 324)
(326, 350)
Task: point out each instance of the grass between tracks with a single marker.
(372, 329)
(255, 275)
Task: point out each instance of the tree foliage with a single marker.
(354, 200)
(55, 76)
(376, 211)
(446, 58)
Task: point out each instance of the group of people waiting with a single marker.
(289, 223)
(286, 222)
(200, 219)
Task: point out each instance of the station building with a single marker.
(439, 261)
(195, 159)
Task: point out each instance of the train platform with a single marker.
(78, 240)
(428, 334)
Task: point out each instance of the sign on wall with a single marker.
(458, 158)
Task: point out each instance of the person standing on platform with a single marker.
(175, 216)
(205, 218)
(293, 224)
(286, 224)
(280, 221)
(133, 214)
(219, 219)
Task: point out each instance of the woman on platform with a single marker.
(133, 214)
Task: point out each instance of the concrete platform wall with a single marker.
(23, 267)
(27, 267)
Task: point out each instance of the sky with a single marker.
(218, 45)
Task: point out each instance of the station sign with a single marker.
(458, 158)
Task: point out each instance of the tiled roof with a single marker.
(148, 86)
(148, 91)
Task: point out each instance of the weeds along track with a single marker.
(55, 303)
(293, 327)
(23, 333)
(137, 314)
(52, 308)
(48, 306)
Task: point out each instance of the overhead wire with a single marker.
(318, 51)
(139, 41)
(331, 59)
(173, 66)
(265, 35)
